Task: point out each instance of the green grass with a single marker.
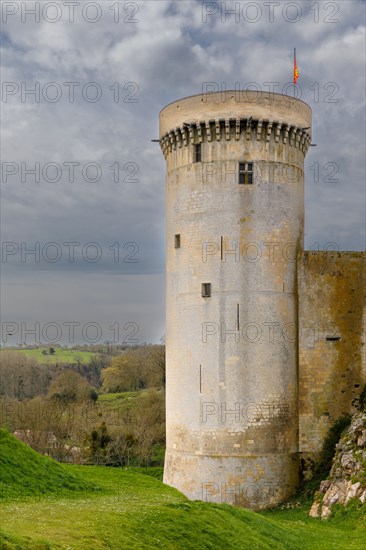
(26, 473)
(113, 400)
(136, 511)
(62, 356)
(153, 471)
(116, 404)
(118, 397)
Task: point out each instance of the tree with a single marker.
(69, 387)
(149, 424)
(98, 442)
(121, 448)
(135, 369)
(93, 395)
(124, 374)
(20, 376)
(158, 361)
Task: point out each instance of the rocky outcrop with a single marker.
(347, 478)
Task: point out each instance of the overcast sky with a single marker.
(103, 71)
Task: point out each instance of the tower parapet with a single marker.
(235, 214)
(231, 129)
(216, 116)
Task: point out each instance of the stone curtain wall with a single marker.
(331, 373)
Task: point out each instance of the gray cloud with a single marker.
(167, 54)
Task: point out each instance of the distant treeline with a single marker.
(23, 377)
(68, 412)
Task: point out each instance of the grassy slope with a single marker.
(119, 401)
(24, 472)
(136, 511)
(65, 356)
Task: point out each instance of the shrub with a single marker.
(325, 462)
(362, 401)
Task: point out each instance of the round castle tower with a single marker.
(235, 217)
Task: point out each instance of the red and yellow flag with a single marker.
(296, 72)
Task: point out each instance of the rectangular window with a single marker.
(197, 153)
(245, 172)
(177, 241)
(206, 290)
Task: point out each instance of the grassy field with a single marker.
(119, 402)
(115, 508)
(115, 399)
(61, 355)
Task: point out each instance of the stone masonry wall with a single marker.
(232, 356)
(332, 371)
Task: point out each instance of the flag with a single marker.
(296, 72)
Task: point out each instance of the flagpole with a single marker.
(294, 69)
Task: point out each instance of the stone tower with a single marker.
(235, 218)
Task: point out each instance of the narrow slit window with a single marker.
(206, 290)
(245, 172)
(333, 338)
(177, 240)
(197, 152)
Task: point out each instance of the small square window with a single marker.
(206, 290)
(245, 172)
(197, 153)
(177, 241)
